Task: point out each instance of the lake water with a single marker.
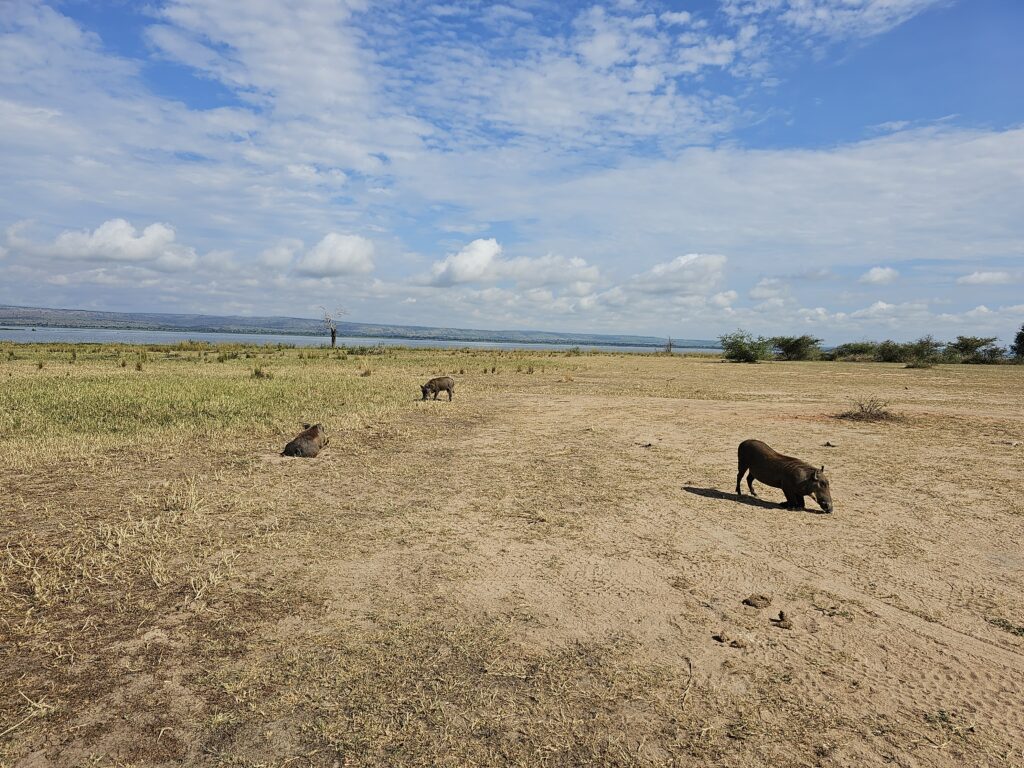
(120, 336)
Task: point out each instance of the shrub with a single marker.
(1017, 348)
(869, 409)
(890, 351)
(975, 349)
(741, 347)
(260, 372)
(854, 351)
(796, 347)
(924, 353)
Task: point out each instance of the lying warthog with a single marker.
(796, 478)
(439, 385)
(307, 444)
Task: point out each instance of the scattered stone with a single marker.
(721, 637)
(829, 444)
(739, 642)
(645, 445)
(758, 600)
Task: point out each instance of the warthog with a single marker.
(307, 444)
(796, 478)
(439, 385)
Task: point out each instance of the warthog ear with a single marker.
(306, 426)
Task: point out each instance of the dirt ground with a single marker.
(535, 574)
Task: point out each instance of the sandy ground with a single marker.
(535, 574)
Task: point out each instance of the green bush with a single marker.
(975, 349)
(890, 351)
(1017, 348)
(741, 347)
(858, 351)
(796, 347)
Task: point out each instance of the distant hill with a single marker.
(41, 317)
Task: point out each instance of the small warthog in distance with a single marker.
(438, 385)
(307, 444)
(796, 478)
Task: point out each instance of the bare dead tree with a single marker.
(668, 346)
(330, 321)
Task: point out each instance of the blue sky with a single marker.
(848, 168)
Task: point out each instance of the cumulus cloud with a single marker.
(768, 288)
(115, 240)
(688, 275)
(482, 261)
(281, 255)
(337, 255)
(986, 278)
(879, 276)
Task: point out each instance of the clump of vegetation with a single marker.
(138, 366)
(1006, 626)
(977, 350)
(1017, 348)
(365, 372)
(869, 409)
(259, 372)
(741, 347)
(854, 351)
(804, 347)
(39, 365)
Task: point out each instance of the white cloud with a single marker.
(834, 18)
(115, 240)
(676, 17)
(986, 278)
(281, 255)
(769, 288)
(336, 255)
(879, 276)
(724, 299)
(689, 275)
(482, 261)
(473, 263)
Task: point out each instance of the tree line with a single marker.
(926, 351)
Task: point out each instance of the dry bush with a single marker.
(869, 409)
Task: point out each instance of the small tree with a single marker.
(975, 349)
(668, 346)
(854, 350)
(796, 347)
(889, 351)
(330, 321)
(1017, 348)
(741, 347)
(924, 352)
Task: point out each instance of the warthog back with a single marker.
(307, 444)
(438, 385)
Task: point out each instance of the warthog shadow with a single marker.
(714, 493)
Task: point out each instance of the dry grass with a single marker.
(529, 575)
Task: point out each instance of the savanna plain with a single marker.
(531, 575)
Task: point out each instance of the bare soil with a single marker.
(534, 575)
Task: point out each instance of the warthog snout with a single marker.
(820, 490)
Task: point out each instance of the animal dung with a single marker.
(758, 600)
(732, 642)
(783, 622)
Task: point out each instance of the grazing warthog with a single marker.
(307, 444)
(439, 385)
(796, 478)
